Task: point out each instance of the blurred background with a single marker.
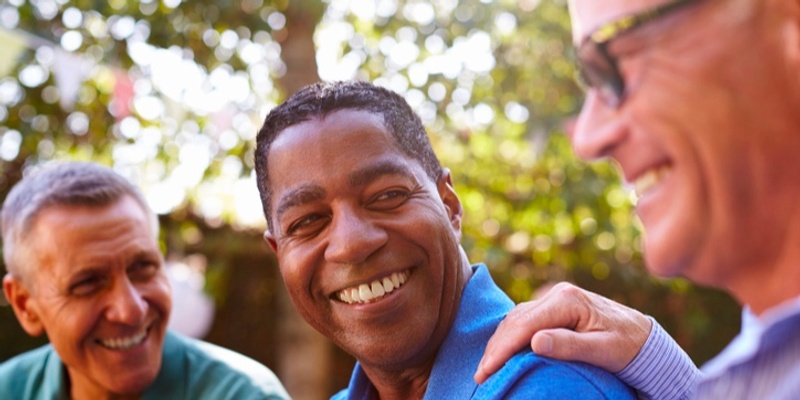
(171, 93)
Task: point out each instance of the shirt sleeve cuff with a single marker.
(661, 370)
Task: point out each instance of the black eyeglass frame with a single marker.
(607, 80)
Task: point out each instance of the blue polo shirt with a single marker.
(525, 376)
(190, 369)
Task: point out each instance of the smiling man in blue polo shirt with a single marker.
(366, 225)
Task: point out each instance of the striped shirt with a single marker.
(661, 370)
(762, 362)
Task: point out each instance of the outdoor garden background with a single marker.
(171, 94)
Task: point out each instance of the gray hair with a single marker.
(58, 183)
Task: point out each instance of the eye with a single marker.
(143, 270)
(306, 225)
(86, 285)
(389, 199)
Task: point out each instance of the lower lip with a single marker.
(651, 196)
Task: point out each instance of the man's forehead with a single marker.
(588, 15)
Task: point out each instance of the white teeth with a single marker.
(364, 293)
(124, 343)
(375, 290)
(649, 179)
(388, 287)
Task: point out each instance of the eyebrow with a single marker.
(100, 263)
(372, 172)
(298, 196)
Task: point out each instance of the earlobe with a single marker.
(23, 305)
(450, 199)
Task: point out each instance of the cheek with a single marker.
(159, 294)
(72, 324)
(297, 275)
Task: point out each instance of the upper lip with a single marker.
(631, 177)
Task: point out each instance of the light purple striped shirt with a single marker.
(762, 362)
(661, 370)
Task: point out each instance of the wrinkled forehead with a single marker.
(588, 15)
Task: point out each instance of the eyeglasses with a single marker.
(598, 67)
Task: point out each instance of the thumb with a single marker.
(563, 344)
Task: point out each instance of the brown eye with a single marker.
(305, 225)
(143, 270)
(86, 286)
(389, 200)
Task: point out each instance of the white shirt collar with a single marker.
(746, 344)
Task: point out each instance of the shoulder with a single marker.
(217, 372)
(24, 375)
(530, 376)
(26, 360)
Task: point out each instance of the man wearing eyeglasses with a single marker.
(698, 102)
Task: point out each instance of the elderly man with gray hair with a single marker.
(84, 267)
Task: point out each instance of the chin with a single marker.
(664, 265)
(698, 272)
(135, 381)
(134, 386)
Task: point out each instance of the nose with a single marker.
(126, 305)
(598, 131)
(354, 236)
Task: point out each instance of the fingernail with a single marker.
(546, 344)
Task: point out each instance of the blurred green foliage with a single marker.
(492, 80)
(534, 213)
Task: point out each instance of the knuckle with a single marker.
(517, 316)
(567, 294)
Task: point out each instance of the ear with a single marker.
(24, 305)
(270, 239)
(450, 200)
(792, 34)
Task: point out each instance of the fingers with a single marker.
(564, 344)
(557, 309)
(568, 323)
(511, 336)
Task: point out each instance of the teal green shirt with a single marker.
(190, 369)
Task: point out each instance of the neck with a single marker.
(408, 384)
(767, 287)
(410, 381)
(775, 277)
(81, 388)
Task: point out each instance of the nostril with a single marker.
(597, 130)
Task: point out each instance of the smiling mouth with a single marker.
(374, 291)
(124, 343)
(650, 179)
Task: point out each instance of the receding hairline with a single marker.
(62, 183)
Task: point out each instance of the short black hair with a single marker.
(323, 98)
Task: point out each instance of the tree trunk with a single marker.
(305, 355)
